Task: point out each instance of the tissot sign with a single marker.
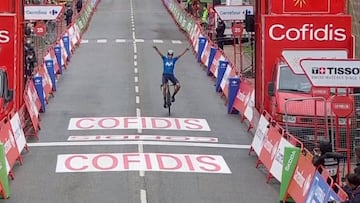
(299, 32)
(332, 72)
(7, 40)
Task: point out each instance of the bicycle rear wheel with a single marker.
(168, 99)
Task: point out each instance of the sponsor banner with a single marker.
(251, 113)
(277, 165)
(155, 123)
(301, 180)
(4, 179)
(32, 102)
(319, 190)
(190, 163)
(293, 57)
(142, 137)
(42, 12)
(270, 146)
(234, 12)
(243, 96)
(18, 132)
(8, 32)
(308, 6)
(332, 72)
(260, 135)
(291, 156)
(300, 32)
(11, 149)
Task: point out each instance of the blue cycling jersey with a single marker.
(169, 65)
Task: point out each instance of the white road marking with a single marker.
(84, 41)
(176, 41)
(137, 89)
(135, 64)
(101, 41)
(135, 56)
(133, 35)
(139, 40)
(165, 138)
(150, 143)
(138, 112)
(158, 41)
(120, 40)
(135, 48)
(133, 28)
(137, 99)
(143, 196)
(136, 79)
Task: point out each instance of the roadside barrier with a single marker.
(280, 153)
(37, 92)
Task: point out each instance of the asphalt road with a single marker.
(198, 155)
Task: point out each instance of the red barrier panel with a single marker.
(11, 149)
(301, 179)
(33, 106)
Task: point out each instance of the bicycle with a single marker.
(167, 96)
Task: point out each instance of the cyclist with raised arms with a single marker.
(168, 72)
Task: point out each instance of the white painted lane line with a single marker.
(138, 112)
(135, 48)
(101, 41)
(142, 137)
(139, 40)
(120, 40)
(137, 89)
(133, 35)
(84, 41)
(133, 28)
(135, 64)
(176, 41)
(143, 196)
(136, 79)
(135, 56)
(137, 99)
(158, 41)
(154, 143)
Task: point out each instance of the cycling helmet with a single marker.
(170, 52)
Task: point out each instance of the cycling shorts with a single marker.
(167, 77)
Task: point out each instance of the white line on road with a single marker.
(109, 143)
(176, 41)
(137, 91)
(133, 35)
(135, 49)
(137, 99)
(101, 41)
(136, 79)
(135, 64)
(143, 196)
(158, 41)
(139, 40)
(84, 41)
(133, 28)
(135, 56)
(120, 40)
(138, 112)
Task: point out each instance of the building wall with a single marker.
(354, 10)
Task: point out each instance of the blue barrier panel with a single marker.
(40, 91)
(202, 42)
(57, 50)
(211, 59)
(67, 46)
(318, 191)
(220, 74)
(50, 68)
(234, 84)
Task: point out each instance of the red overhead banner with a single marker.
(308, 6)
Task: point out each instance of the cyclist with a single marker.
(168, 72)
